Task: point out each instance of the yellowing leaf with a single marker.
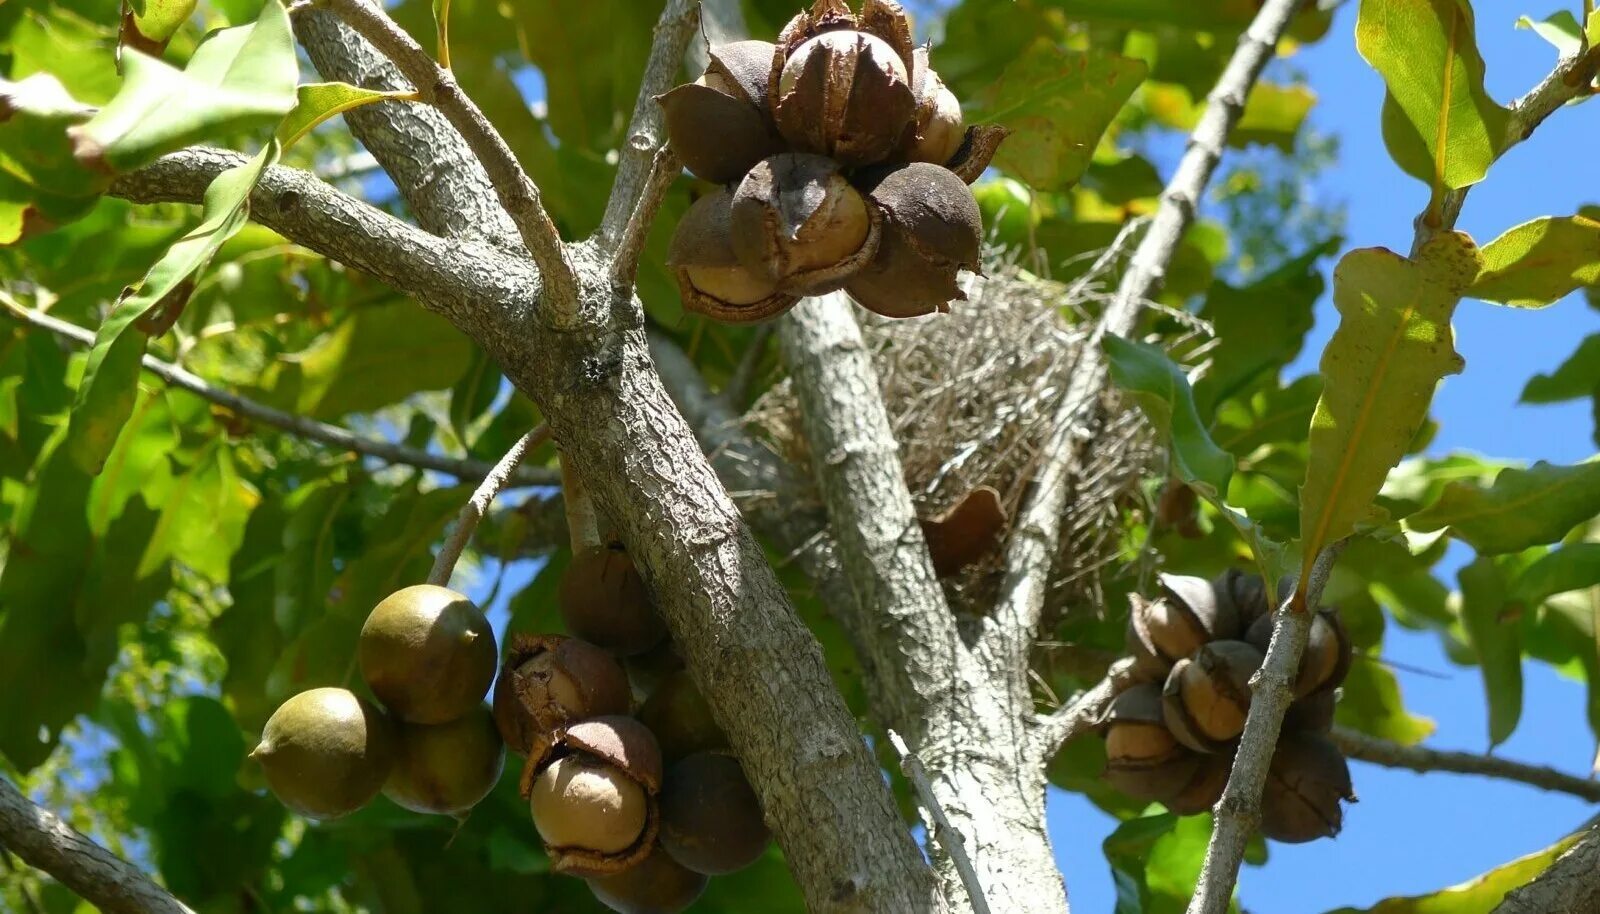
(316, 102)
(1379, 371)
(1522, 508)
(1540, 261)
(1427, 53)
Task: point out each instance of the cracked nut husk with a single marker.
(932, 230)
(840, 85)
(604, 602)
(427, 653)
(1186, 615)
(446, 769)
(593, 794)
(1205, 788)
(656, 885)
(550, 680)
(710, 817)
(1327, 656)
(1313, 712)
(326, 753)
(719, 125)
(711, 279)
(1305, 786)
(937, 129)
(1207, 696)
(797, 221)
(679, 717)
(1143, 760)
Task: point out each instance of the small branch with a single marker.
(948, 837)
(1036, 539)
(517, 192)
(299, 426)
(664, 168)
(478, 505)
(675, 27)
(1571, 885)
(1271, 691)
(1082, 714)
(583, 523)
(42, 840)
(737, 390)
(1358, 745)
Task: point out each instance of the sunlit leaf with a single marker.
(150, 24)
(1560, 28)
(1162, 391)
(1575, 566)
(1522, 508)
(1493, 632)
(1537, 262)
(1370, 701)
(316, 102)
(1392, 347)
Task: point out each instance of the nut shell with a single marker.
(931, 231)
(1205, 788)
(746, 65)
(710, 817)
(1327, 656)
(1143, 760)
(840, 92)
(976, 151)
(936, 130)
(716, 135)
(1207, 696)
(711, 279)
(608, 743)
(550, 680)
(681, 720)
(796, 220)
(656, 885)
(427, 653)
(1307, 781)
(604, 601)
(446, 769)
(326, 753)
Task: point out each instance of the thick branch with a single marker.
(674, 28)
(294, 424)
(478, 505)
(516, 190)
(95, 874)
(1036, 539)
(1570, 886)
(1271, 691)
(1358, 745)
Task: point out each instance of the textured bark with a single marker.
(100, 877)
(924, 683)
(1570, 886)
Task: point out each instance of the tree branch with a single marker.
(946, 833)
(103, 879)
(1358, 745)
(674, 28)
(516, 190)
(1036, 537)
(478, 505)
(1082, 714)
(297, 425)
(1571, 885)
(664, 169)
(1271, 691)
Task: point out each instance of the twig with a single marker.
(1082, 714)
(1571, 885)
(1271, 691)
(517, 192)
(1358, 745)
(676, 25)
(1036, 539)
(478, 505)
(737, 390)
(299, 426)
(664, 168)
(949, 838)
(43, 841)
(583, 523)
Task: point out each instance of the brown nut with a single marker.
(592, 791)
(1187, 615)
(678, 715)
(427, 653)
(446, 769)
(1143, 760)
(797, 221)
(1307, 781)
(976, 151)
(841, 86)
(1246, 593)
(1313, 712)
(1207, 696)
(1205, 788)
(710, 817)
(550, 680)
(711, 280)
(937, 129)
(932, 230)
(326, 753)
(1327, 657)
(719, 125)
(656, 885)
(604, 602)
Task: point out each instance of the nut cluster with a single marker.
(428, 655)
(843, 163)
(629, 779)
(1172, 733)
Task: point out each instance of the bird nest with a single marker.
(971, 398)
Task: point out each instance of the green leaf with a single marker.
(1537, 262)
(1160, 388)
(1522, 508)
(1057, 104)
(1418, 482)
(1493, 633)
(1560, 28)
(316, 102)
(41, 185)
(1479, 895)
(1221, 18)
(237, 79)
(1127, 849)
(1575, 566)
(105, 396)
(381, 355)
(156, 21)
(1578, 376)
(1427, 53)
(1379, 370)
(1370, 702)
(1272, 116)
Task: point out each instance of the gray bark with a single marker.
(1570, 886)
